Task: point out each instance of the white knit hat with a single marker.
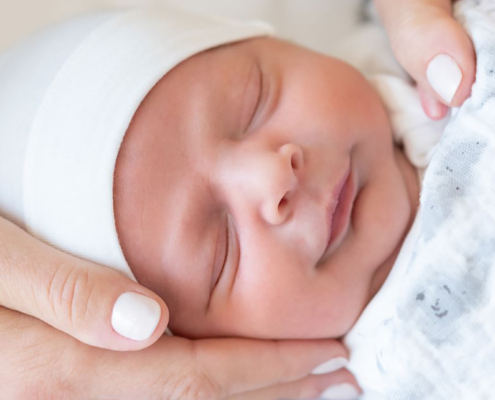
(67, 96)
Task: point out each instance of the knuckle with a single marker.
(196, 386)
(68, 293)
(412, 30)
(197, 382)
(190, 380)
(406, 39)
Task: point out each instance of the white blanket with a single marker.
(440, 342)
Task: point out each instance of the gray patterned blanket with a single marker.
(443, 341)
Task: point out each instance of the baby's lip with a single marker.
(339, 208)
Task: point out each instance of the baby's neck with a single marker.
(410, 175)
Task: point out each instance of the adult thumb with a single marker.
(92, 303)
(431, 46)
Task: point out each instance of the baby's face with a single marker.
(259, 193)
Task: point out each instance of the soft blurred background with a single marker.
(319, 24)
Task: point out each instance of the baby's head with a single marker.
(258, 191)
(237, 169)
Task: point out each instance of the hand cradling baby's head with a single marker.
(250, 182)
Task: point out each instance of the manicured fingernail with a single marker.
(135, 316)
(344, 391)
(444, 76)
(332, 365)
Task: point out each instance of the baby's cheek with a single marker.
(282, 306)
(372, 115)
(264, 304)
(383, 211)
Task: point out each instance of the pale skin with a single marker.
(79, 324)
(418, 31)
(251, 140)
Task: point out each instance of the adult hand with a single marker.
(39, 362)
(78, 297)
(433, 48)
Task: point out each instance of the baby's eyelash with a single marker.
(221, 260)
(226, 255)
(256, 105)
(258, 100)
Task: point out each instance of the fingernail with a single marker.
(329, 366)
(344, 391)
(444, 76)
(135, 316)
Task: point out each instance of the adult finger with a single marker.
(94, 304)
(39, 361)
(433, 108)
(337, 385)
(210, 369)
(431, 46)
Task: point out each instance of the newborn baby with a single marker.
(258, 191)
(252, 183)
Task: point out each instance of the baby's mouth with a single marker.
(339, 212)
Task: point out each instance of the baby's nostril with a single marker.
(294, 162)
(283, 204)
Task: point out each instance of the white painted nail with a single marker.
(329, 366)
(444, 76)
(135, 316)
(344, 391)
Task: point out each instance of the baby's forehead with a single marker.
(211, 82)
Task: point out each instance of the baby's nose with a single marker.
(280, 178)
